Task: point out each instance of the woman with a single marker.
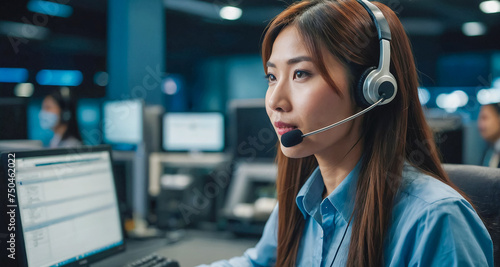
(489, 127)
(370, 192)
(57, 114)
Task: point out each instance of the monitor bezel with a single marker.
(163, 145)
(21, 258)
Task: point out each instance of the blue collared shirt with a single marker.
(432, 225)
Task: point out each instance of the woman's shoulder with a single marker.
(424, 190)
(422, 197)
(432, 222)
(70, 141)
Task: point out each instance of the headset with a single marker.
(377, 82)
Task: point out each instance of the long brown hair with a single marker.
(392, 133)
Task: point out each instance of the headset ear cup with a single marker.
(66, 116)
(358, 91)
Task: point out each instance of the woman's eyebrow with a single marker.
(296, 60)
(291, 61)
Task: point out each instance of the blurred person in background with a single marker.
(489, 127)
(58, 114)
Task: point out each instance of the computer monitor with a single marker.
(193, 132)
(13, 118)
(253, 136)
(123, 122)
(88, 115)
(65, 206)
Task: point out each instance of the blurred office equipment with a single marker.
(20, 145)
(174, 194)
(252, 134)
(482, 185)
(67, 207)
(152, 127)
(193, 132)
(448, 134)
(13, 118)
(123, 123)
(181, 184)
(89, 118)
(123, 128)
(251, 197)
(193, 143)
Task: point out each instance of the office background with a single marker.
(158, 59)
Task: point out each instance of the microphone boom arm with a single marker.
(346, 119)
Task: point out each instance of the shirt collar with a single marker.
(342, 198)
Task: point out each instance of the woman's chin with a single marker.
(295, 152)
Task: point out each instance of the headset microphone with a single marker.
(295, 137)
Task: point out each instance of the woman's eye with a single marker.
(300, 74)
(270, 77)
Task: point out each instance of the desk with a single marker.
(197, 247)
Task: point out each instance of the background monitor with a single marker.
(123, 122)
(13, 118)
(89, 120)
(253, 136)
(67, 209)
(193, 132)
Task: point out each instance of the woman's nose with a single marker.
(278, 98)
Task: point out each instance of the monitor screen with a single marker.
(123, 122)
(67, 206)
(253, 134)
(193, 132)
(89, 116)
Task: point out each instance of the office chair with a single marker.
(482, 185)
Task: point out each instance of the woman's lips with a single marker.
(283, 128)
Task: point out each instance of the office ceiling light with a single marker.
(50, 8)
(424, 96)
(450, 102)
(22, 30)
(170, 86)
(474, 28)
(24, 89)
(230, 13)
(13, 75)
(488, 96)
(101, 78)
(59, 77)
(490, 6)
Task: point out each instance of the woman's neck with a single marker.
(60, 129)
(338, 162)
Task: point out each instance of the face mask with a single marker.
(48, 120)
